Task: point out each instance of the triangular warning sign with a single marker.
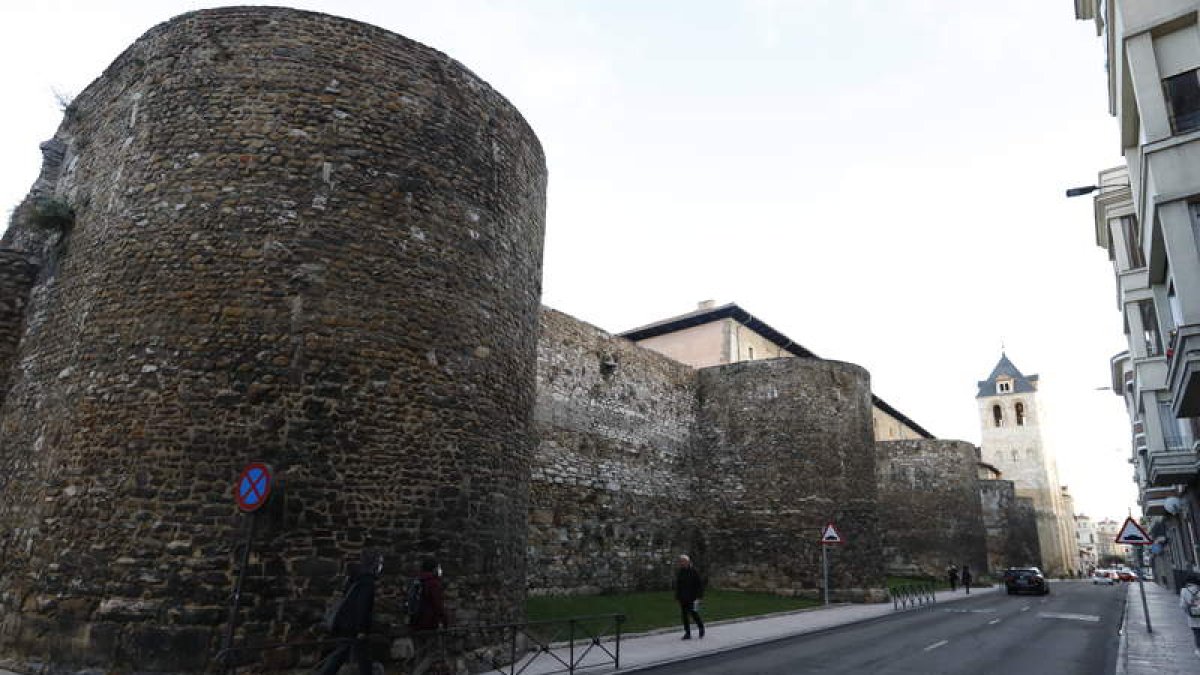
(829, 535)
(1132, 533)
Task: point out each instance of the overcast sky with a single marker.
(881, 180)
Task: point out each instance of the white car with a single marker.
(1107, 577)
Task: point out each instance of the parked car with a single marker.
(1025, 580)
(1106, 577)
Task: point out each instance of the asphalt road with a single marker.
(1071, 631)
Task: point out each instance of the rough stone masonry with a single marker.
(295, 238)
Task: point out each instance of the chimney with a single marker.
(705, 304)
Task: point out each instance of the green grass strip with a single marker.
(648, 611)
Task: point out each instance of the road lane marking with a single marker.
(993, 622)
(935, 645)
(1025, 608)
(1073, 617)
(970, 611)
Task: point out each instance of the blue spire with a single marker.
(1006, 370)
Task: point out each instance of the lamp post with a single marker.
(1089, 189)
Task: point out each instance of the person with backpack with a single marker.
(350, 618)
(1189, 600)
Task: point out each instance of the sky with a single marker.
(880, 180)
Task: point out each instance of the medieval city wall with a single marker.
(786, 446)
(929, 505)
(1012, 538)
(296, 239)
(18, 271)
(611, 493)
(1025, 546)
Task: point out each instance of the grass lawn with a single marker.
(939, 584)
(647, 611)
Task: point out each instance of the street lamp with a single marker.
(1089, 189)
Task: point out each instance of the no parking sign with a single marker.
(253, 487)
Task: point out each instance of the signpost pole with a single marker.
(1142, 588)
(237, 592)
(250, 492)
(825, 569)
(1132, 534)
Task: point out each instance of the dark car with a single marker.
(1025, 580)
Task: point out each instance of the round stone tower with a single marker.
(291, 238)
(787, 448)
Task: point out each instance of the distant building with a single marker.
(1147, 218)
(719, 335)
(1011, 440)
(1085, 539)
(1106, 539)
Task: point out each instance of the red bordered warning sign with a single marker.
(830, 535)
(1131, 533)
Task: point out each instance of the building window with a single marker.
(1173, 438)
(1020, 414)
(750, 352)
(1194, 211)
(997, 415)
(1004, 387)
(1150, 335)
(1132, 237)
(1183, 100)
(1016, 455)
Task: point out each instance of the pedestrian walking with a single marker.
(689, 589)
(351, 620)
(425, 608)
(952, 575)
(966, 579)
(1189, 600)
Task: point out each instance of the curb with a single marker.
(1123, 641)
(772, 640)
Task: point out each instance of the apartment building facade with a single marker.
(1147, 217)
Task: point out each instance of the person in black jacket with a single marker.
(352, 623)
(689, 588)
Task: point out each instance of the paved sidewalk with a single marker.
(1166, 651)
(640, 652)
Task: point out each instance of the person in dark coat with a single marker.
(352, 624)
(952, 575)
(432, 613)
(689, 589)
(966, 579)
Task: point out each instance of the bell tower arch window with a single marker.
(1020, 410)
(997, 415)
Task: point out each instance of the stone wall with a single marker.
(611, 496)
(297, 239)
(785, 446)
(18, 271)
(641, 458)
(929, 504)
(1024, 542)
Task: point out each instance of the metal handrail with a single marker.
(912, 596)
(507, 648)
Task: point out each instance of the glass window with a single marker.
(1183, 100)
(1150, 334)
(1172, 438)
(1132, 236)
